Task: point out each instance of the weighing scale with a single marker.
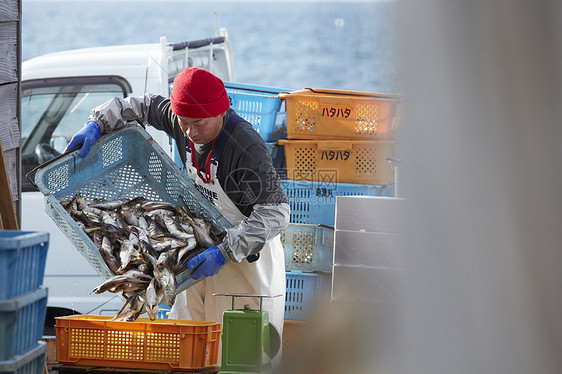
(249, 340)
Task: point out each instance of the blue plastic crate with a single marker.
(30, 362)
(23, 255)
(21, 322)
(277, 155)
(163, 311)
(315, 202)
(261, 106)
(303, 291)
(308, 248)
(123, 164)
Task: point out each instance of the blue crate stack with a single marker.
(262, 107)
(23, 301)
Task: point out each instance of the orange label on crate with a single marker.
(333, 111)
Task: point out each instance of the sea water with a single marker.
(288, 44)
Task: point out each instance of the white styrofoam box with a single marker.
(367, 248)
(370, 284)
(369, 213)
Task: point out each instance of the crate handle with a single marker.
(337, 146)
(321, 234)
(360, 94)
(34, 170)
(283, 95)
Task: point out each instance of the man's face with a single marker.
(201, 130)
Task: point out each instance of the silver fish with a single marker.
(132, 216)
(164, 243)
(145, 243)
(183, 252)
(126, 254)
(110, 205)
(120, 283)
(106, 252)
(153, 229)
(201, 229)
(154, 205)
(154, 296)
(108, 219)
(168, 282)
(175, 229)
(133, 307)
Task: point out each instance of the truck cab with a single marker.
(58, 90)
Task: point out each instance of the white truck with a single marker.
(58, 91)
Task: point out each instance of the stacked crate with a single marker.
(337, 144)
(23, 301)
(338, 136)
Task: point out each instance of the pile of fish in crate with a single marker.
(23, 301)
(134, 216)
(145, 244)
(137, 219)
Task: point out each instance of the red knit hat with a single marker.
(198, 94)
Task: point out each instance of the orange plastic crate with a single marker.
(293, 331)
(335, 114)
(344, 161)
(162, 344)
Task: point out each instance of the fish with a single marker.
(154, 297)
(183, 252)
(110, 205)
(168, 283)
(201, 230)
(132, 216)
(106, 252)
(126, 253)
(133, 308)
(144, 244)
(155, 205)
(153, 229)
(120, 283)
(175, 229)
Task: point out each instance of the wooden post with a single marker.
(10, 136)
(7, 212)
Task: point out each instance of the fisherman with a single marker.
(229, 163)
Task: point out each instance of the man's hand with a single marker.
(206, 263)
(86, 137)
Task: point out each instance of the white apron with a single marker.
(266, 276)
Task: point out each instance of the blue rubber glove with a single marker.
(206, 263)
(87, 136)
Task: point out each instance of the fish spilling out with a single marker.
(145, 244)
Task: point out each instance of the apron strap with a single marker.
(214, 156)
(219, 147)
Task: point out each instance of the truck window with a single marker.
(52, 111)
